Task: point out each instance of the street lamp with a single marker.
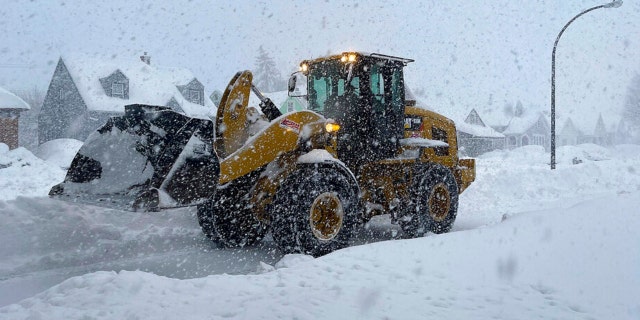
(613, 4)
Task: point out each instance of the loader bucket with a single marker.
(148, 159)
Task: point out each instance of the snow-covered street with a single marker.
(528, 243)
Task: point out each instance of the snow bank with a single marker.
(528, 243)
(532, 266)
(23, 174)
(520, 180)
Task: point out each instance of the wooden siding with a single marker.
(9, 131)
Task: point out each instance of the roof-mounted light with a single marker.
(349, 57)
(304, 67)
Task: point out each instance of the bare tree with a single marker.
(631, 111)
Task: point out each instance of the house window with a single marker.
(290, 106)
(61, 94)
(194, 96)
(117, 90)
(511, 141)
(538, 139)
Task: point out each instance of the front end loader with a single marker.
(310, 177)
(313, 177)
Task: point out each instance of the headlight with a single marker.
(331, 127)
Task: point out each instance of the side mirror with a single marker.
(292, 83)
(297, 86)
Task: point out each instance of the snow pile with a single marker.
(520, 180)
(59, 151)
(22, 173)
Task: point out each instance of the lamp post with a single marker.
(613, 4)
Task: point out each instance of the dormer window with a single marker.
(116, 85)
(194, 96)
(192, 91)
(117, 90)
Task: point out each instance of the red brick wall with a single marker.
(9, 132)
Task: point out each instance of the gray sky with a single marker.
(468, 53)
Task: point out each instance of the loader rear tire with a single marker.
(435, 202)
(315, 211)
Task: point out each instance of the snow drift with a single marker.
(529, 243)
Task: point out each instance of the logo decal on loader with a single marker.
(290, 125)
(412, 123)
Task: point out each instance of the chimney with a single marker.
(146, 58)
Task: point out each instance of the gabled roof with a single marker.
(148, 84)
(476, 129)
(589, 125)
(519, 125)
(8, 100)
(472, 117)
(569, 127)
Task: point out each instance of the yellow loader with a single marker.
(310, 177)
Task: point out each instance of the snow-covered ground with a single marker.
(528, 243)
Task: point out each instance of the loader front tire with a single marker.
(227, 220)
(316, 210)
(204, 212)
(435, 202)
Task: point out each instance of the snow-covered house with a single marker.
(585, 131)
(85, 91)
(475, 137)
(291, 104)
(529, 128)
(569, 134)
(599, 134)
(10, 108)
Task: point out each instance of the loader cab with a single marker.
(364, 94)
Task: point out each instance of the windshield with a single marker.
(328, 84)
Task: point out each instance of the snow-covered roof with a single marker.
(478, 130)
(148, 84)
(518, 125)
(8, 100)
